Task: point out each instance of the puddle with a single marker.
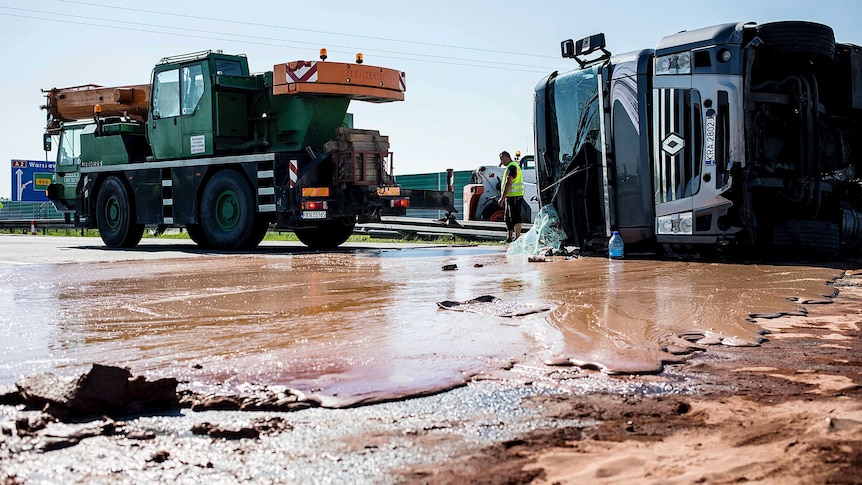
(618, 315)
(364, 324)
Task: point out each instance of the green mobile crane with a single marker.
(227, 154)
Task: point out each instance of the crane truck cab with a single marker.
(737, 135)
(226, 154)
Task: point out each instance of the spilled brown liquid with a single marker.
(364, 324)
(620, 315)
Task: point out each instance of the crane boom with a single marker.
(79, 102)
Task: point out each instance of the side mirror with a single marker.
(46, 142)
(578, 50)
(590, 44)
(567, 49)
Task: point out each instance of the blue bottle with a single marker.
(615, 246)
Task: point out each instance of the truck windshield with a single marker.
(166, 94)
(70, 146)
(574, 119)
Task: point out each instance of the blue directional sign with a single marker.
(30, 179)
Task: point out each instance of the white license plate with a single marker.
(314, 214)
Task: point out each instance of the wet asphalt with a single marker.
(366, 444)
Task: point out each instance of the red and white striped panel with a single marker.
(305, 72)
(293, 169)
(402, 80)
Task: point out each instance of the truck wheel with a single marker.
(227, 211)
(493, 213)
(115, 217)
(258, 232)
(795, 37)
(329, 234)
(196, 233)
(817, 239)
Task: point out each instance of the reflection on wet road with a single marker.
(364, 323)
(618, 315)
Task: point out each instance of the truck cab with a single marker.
(735, 135)
(192, 108)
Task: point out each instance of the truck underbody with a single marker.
(737, 136)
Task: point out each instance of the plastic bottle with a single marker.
(615, 246)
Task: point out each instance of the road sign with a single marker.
(41, 181)
(30, 179)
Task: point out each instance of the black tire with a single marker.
(258, 232)
(797, 37)
(492, 212)
(227, 211)
(115, 215)
(326, 235)
(818, 239)
(196, 233)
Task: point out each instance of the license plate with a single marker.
(314, 214)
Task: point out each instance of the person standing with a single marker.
(512, 196)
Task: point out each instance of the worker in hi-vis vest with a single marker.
(512, 195)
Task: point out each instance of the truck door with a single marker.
(181, 124)
(677, 154)
(196, 114)
(165, 127)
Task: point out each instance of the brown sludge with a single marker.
(788, 413)
(364, 327)
(343, 329)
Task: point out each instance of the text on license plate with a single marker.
(314, 214)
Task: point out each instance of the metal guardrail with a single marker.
(31, 216)
(29, 211)
(425, 228)
(41, 216)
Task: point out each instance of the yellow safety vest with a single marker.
(517, 188)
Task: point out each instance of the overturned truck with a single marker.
(738, 135)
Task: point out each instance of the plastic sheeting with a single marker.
(546, 237)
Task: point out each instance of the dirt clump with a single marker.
(102, 390)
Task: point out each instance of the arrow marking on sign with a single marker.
(21, 186)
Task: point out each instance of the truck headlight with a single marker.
(683, 63)
(675, 224)
(673, 64)
(665, 225)
(685, 223)
(662, 65)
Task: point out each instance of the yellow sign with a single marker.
(389, 191)
(315, 191)
(41, 181)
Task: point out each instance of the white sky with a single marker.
(469, 95)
